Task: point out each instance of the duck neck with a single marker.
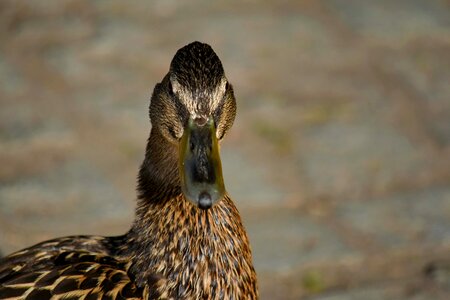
(158, 176)
(194, 250)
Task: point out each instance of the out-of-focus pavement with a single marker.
(339, 159)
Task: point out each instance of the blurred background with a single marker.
(339, 160)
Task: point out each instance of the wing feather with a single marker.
(61, 270)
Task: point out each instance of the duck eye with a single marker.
(170, 89)
(173, 133)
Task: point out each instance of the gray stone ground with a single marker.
(339, 159)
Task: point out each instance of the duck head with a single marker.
(193, 107)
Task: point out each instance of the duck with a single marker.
(187, 240)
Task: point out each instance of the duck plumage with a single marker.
(187, 240)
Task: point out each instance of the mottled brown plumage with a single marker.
(178, 247)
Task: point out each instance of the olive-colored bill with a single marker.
(200, 166)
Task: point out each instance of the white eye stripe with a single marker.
(191, 101)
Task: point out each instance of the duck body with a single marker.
(187, 240)
(182, 260)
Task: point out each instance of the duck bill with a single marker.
(199, 165)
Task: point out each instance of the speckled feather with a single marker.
(174, 250)
(77, 267)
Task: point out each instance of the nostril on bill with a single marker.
(204, 200)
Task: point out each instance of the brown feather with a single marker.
(174, 250)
